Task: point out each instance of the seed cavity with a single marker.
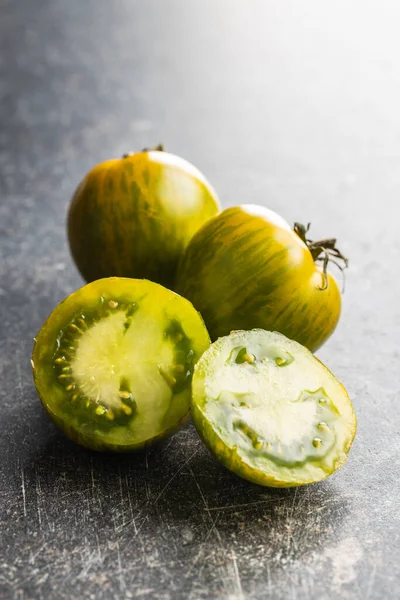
(323, 426)
(168, 378)
(284, 358)
(132, 308)
(110, 415)
(250, 358)
(178, 374)
(243, 356)
(128, 404)
(248, 432)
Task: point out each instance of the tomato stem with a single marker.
(324, 251)
(158, 148)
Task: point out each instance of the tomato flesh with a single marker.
(270, 411)
(113, 363)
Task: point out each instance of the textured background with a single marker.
(294, 105)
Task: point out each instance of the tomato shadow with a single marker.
(178, 494)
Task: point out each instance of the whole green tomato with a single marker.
(247, 268)
(134, 216)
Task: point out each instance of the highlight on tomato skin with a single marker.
(134, 216)
(271, 412)
(113, 363)
(247, 268)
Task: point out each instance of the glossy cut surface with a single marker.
(270, 411)
(246, 268)
(113, 363)
(134, 216)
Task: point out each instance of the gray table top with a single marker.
(294, 105)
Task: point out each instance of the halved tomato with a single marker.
(113, 363)
(270, 411)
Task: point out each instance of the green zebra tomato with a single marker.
(270, 411)
(113, 363)
(246, 268)
(134, 216)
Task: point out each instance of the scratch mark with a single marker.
(134, 526)
(121, 493)
(199, 488)
(89, 560)
(235, 506)
(34, 555)
(168, 445)
(142, 523)
(207, 509)
(201, 550)
(237, 579)
(92, 474)
(175, 475)
(146, 485)
(293, 502)
(23, 490)
(38, 495)
(129, 500)
(122, 585)
(98, 547)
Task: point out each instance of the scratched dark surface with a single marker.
(294, 105)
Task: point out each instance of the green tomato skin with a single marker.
(134, 216)
(98, 444)
(246, 268)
